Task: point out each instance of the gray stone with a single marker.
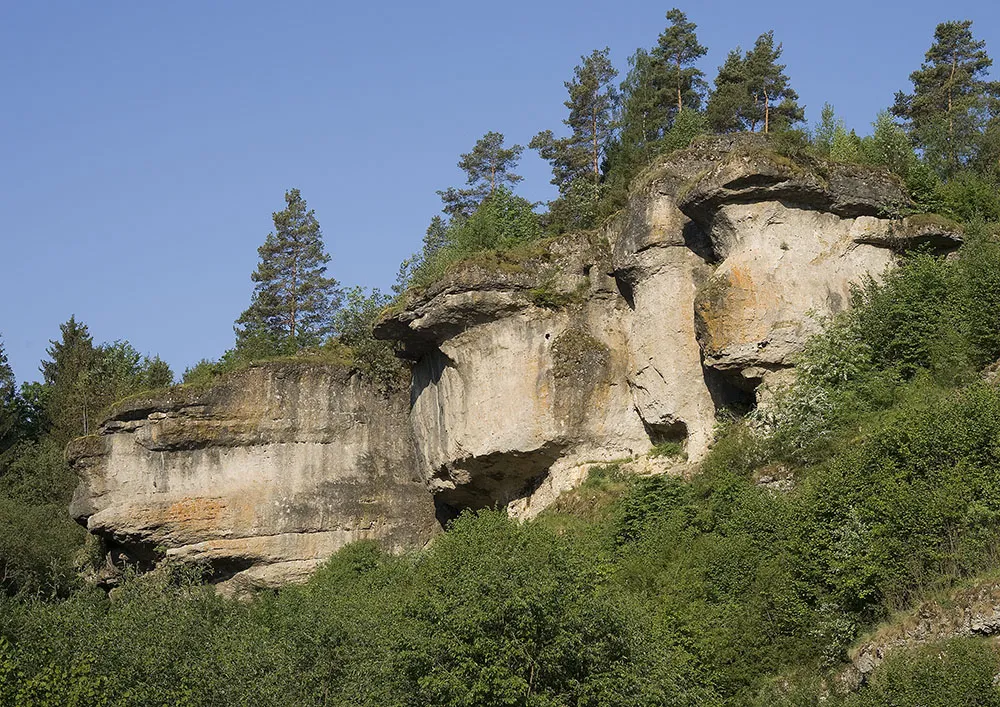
(272, 467)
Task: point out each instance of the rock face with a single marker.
(262, 476)
(528, 367)
(972, 611)
(596, 347)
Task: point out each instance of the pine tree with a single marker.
(678, 48)
(293, 301)
(659, 85)
(775, 102)
(488, 166)
(753, 90)
(949, 108)
(9, 414)
(592, 100)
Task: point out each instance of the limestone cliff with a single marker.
(527, 368)
(596, 347)
(261, 476)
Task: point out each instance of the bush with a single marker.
(954, 673)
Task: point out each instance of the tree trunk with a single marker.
(951, 118)
(293, 294)
(680, 104)
(593, 125)
(767, 111)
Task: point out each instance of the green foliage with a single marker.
(667, 449)
(951, 103)
(38, 540)
(200, 373)
(956, 673)
(660, 85)
(513, 615)
(81, 381)
(576, 159)
(503, 221)
(375, 359)
(293, 301)
(753, 91)
(488, 166)
(10, 414)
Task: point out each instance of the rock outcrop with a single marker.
(261, 476)
(970, 611)
(594, 347)
(528, 367)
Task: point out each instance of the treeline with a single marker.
(942, 138)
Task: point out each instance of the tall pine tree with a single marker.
(950, 107)
(752, 91)
(293, 301)
(576, 159)
(659, 85)
(678, 48)
(592, 101)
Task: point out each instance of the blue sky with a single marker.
(144, 145)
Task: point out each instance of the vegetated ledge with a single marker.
(548, 273)
(753, 173)
(971, 610)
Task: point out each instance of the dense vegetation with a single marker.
(717, 591)
(652, 591)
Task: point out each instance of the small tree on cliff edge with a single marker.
(293, 301)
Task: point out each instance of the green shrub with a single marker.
(956, 673)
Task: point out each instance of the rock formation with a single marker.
(262, 476)
(596, 347)
(968, 611)
(528, 367)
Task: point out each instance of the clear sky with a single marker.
(143, 146)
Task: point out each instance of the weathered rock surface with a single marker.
(262, 476)
(723, 263)
(528, 368)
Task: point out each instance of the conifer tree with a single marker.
(488, 166)
(753, 91)
(949, 108)
(592, 100)
(9, 416)
(70, 405)
(729, 104)
(293, 300)
(678, 48)
(644, 109)
(658, 86)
